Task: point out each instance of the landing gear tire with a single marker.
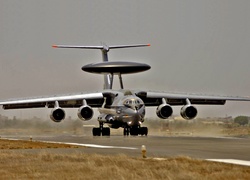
(106, 131)
(134, 131)
(144, 131)
(96, 131)
(101, 131)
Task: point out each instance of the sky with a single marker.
(197, 46)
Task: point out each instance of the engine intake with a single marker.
(57, 114)
(85, 113)
(188, 112)
(164, 111)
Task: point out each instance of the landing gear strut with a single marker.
(104, 131)
(126, 131)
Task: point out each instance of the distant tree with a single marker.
(241, 120)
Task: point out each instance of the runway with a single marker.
(157, 146)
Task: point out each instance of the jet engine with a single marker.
(57, 114)
(188, 112)
(164, 111)
(85, 113)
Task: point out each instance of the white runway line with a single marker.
(91, 145)
(79, 144)
(231, 161)
(99, 146)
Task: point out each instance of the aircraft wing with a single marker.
(155, 98)
(66, 101)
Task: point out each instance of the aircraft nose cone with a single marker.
(137, 115)
(135, 119)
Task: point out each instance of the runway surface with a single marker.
(157, 146)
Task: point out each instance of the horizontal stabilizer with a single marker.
(77, 47)
(128, 46)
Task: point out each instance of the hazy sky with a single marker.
(198, 46)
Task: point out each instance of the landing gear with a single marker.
(96, 131)
(144, 131)
(104, 131)
(135, 131)
(126, 131)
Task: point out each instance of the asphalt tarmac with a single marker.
(157, 146)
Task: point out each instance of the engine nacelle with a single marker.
(57, 114)
(164, 111)
(85, 113)
(188, 112)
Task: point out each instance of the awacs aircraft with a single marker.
(123, 108)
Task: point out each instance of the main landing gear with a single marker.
(104, 131)
(135, 131)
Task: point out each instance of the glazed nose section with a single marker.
(135, 107)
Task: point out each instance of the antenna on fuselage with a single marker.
(116, 68)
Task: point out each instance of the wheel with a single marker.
(106, 131)
(134, 131)
(96, 131)
(144, 131)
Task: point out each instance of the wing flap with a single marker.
(24, 106)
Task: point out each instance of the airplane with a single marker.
(122, 108)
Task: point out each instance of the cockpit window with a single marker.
(133, 103)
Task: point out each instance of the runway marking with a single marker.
(99, 146)
(231, 161)
(92, 145)
(228, 161)
(79, 144)
(216, 137)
